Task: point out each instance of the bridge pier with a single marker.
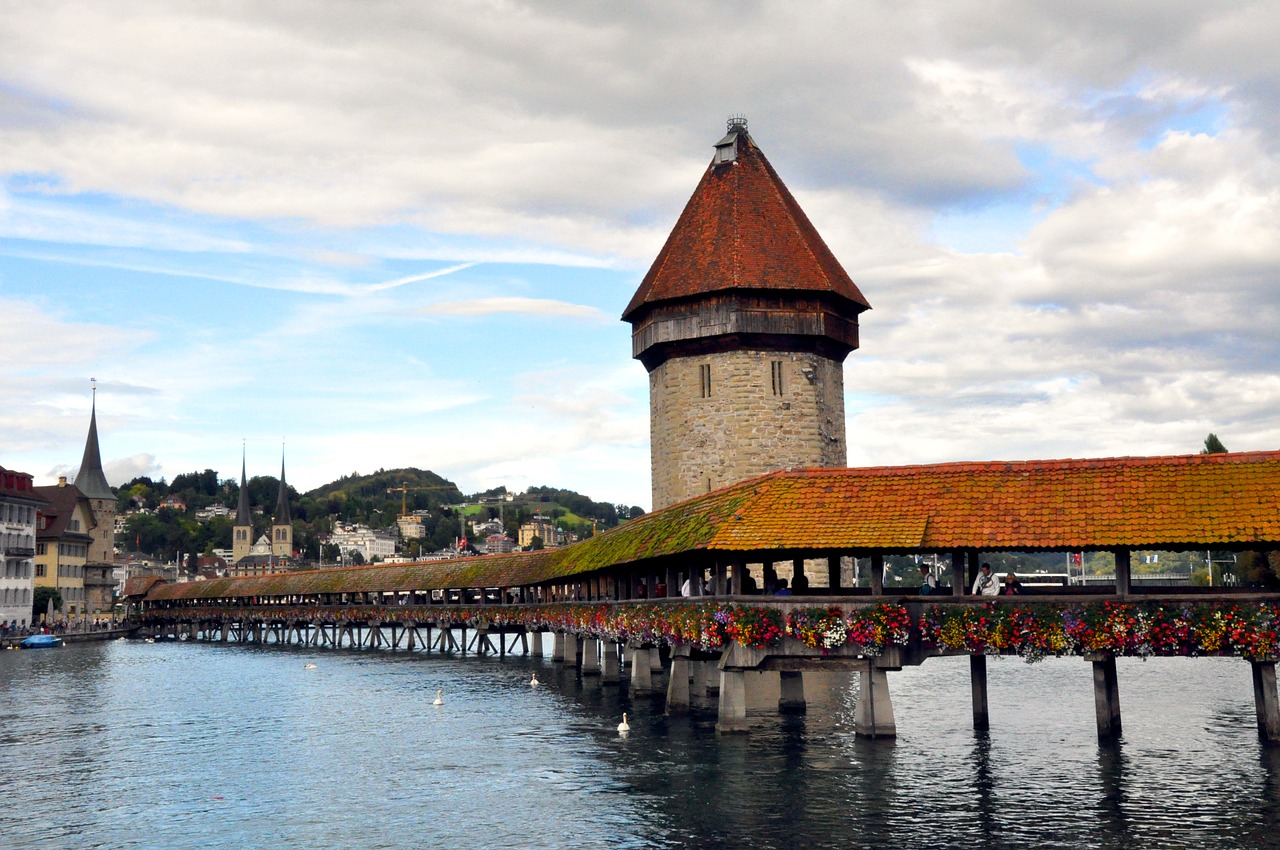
(1106, 696)
(572, 651)
(678, 684)
(612, 672)
(791, 692)
(978, 683)
(641, 672)
(557, 648)
(590, 657)
(1265, 702)
(535, 644)
(731, 715)
(873, 712)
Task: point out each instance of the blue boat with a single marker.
(40, 642)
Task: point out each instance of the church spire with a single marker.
(90, 479)
(282, 500)
(243, 517)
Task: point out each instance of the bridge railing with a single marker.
(1246, 626)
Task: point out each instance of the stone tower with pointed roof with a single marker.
(91, 481)
(743, 322)
(242, 531)
(281, 524)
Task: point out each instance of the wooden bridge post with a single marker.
(590, 657)
(612, 672)
(877, 574)
(1123, 586)
(641, 671)
(1106, 696)
(1264, 700)
(873, 712)
(978, 683)
(958, 586)
(678, 685)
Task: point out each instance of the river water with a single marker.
(177, 745)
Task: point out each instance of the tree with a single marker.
(40, 602)
(1212, 445)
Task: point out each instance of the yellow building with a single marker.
(63, 538)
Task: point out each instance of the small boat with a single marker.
(40, 642)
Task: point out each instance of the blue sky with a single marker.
(403, 237)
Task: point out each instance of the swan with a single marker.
(533, 683)
(308, 666)
(439, 698)
(624, 726)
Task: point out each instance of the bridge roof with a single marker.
(1179, 502)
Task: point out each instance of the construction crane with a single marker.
(404, 490)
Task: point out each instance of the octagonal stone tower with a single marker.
(743, 321)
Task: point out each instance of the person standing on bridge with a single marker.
(928, 581)
(985, 584)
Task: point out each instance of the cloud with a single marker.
(543, 307)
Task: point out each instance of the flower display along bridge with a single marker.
(614, 601)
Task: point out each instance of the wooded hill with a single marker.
(373, 499)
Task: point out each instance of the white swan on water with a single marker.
(533, 683)
(624, 726)
(308, 666)
(439, 698)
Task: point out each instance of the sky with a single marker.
(373, 235)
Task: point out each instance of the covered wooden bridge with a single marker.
(623, 587)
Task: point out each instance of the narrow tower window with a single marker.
(775, 368)
(704, 376)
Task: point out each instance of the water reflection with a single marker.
(173, 745)
(1112, 820)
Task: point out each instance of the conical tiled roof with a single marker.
(91, 480)
(742, 230)
(282, 500)
(243, 516)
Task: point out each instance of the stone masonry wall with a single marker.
(742, 428)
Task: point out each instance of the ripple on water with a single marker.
(183, 745)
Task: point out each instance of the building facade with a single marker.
(544, 528)
(371, 544)
(743, 322)
(19, 507)
(63, 543)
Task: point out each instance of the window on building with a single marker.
(704, 376)
(40, 571)
(74, 525)
(775, 370)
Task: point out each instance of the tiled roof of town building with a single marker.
(62, 499)
(743, 230)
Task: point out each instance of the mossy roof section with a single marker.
(1147, 502)
(1142, 502)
